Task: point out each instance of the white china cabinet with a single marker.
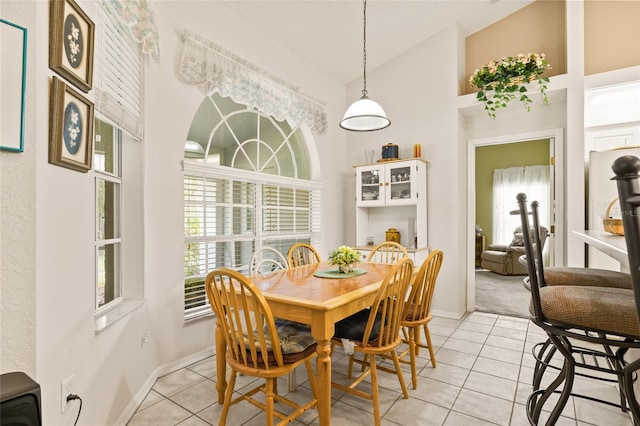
(392, 194)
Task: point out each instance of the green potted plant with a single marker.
(500, 81)
(345, 257)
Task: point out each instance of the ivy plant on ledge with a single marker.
(501, 81)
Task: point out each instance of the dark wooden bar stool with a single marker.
(626, 169)
(583, 323)
(571, 276)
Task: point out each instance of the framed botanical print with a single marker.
(70, 128)
(71, 39)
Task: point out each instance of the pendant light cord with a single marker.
(364, 48)
(364, 115)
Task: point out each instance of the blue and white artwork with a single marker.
(73, 41)
(72, 131)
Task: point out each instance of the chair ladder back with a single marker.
(245, 318)
(389, 305)
(418, 304)
(626, 169)
(388, 252)
(537, 249)
(302, 254)
(266, 259)
(528, 249)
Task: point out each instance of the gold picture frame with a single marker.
(70, 128)
(71, 40)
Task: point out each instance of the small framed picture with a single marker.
(70, 128)
(71, 38)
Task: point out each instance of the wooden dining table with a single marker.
(296, 294)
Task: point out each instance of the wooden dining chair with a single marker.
(591, 327)
(255, 346)
(417, 313)
(376, 331)
(387, 252)
(302, 254)
(266, 259)
(263, 261)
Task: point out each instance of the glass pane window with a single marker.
(229, 134)
(108, 209)
(229, 214)
(106, 154)
(118, 170)
(107, 166)
(108, 288)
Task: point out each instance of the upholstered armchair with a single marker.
(503, 259)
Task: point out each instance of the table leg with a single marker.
(323, 367)
(221, 363)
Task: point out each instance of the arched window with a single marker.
(247, 185)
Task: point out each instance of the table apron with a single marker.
(322, 321)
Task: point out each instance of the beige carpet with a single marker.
(499, 294)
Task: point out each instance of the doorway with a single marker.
(480, 210)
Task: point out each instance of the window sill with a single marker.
(198, 313)
(104, 320)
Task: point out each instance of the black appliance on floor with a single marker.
(19, 400)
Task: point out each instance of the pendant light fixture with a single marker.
(364, 115)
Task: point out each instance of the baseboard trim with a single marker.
(448, 314)
(160, 371)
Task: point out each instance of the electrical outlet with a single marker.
(145, 336)
(66, 388)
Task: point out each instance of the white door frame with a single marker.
(557, 148)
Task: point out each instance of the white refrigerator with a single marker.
(602, 191)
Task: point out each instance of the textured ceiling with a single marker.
(329, 33)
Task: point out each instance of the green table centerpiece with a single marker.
(345, 257)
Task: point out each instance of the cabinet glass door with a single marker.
(400, 182)
(370, 185)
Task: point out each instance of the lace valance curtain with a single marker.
(215, 69)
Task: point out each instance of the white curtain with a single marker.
(507, 183)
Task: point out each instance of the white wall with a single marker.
(17, 223)
(111, 366)
(47, 221)
(170, 107)
(46, 262)
(418, 91)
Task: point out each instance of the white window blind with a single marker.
(228, 217)
(118, 73)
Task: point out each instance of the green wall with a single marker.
(502, 156)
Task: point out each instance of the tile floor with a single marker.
(482, 377)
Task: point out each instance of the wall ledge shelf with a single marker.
(556, 92)
(612, 78)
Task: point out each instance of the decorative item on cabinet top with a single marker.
(389, 151)
(392, 234)
(390, 160)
